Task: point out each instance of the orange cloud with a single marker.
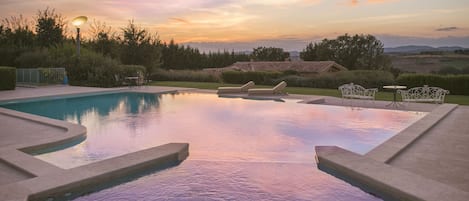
(379, 1)
(353, 2)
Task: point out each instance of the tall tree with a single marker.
(50, 28)
(140, 47)
(353, 52)
(15, 31)
(16, 37)
(269, 54)
(103, 39)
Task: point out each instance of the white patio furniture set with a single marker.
(355, 91)
(424, 94)
(417, 94)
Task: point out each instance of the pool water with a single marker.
(239, 149)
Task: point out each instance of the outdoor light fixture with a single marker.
(77, 22)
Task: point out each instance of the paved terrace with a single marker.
(431, 155)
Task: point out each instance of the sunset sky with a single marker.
(289, 24)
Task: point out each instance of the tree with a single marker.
(16, 32)
(140, 48)
(16, 37)
(269, 54)
(353, 52)
(103, 39)
(49, 28)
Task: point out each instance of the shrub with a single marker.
(291, 72)
(33, 59)
(296, 81)
(185, 75)
(259, 77)
(7, 78)
(366, 78)
(8, 55)
(93, 69)
(456, 84)
(60, 55)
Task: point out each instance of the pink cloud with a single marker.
(357, 2)
(179, 20)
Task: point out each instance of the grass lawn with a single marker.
(381, 95)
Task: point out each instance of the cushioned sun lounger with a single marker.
(273, 91)
(241, 89)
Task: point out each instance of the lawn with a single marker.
(381, 95)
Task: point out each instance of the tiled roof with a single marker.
(299, 66)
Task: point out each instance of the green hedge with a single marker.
(456, 84)
(34, 59)
(7, 78)
(93, 70)
(366, 78)
(259, 77)
(184, 75)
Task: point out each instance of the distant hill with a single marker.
(419, 48)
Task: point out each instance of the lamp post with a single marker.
(77, 22)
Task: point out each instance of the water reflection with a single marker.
(222, 129)
(213, 180)
(240, 149)
(79, 107)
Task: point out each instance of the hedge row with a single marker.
(259, 77)
(368, 79)
(327, 80)
(456, 84)
(184, 75)
(98, 71)
(7, 78)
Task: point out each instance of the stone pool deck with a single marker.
(427, 161)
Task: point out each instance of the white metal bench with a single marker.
(424, 94)
(355, 91)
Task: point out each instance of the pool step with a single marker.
(383, 180)
(67, 184)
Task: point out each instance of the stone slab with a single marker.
(398, 143)
(9, 174)
(442, 154)
(383, 180)
(70, 183)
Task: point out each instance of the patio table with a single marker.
(394, 102)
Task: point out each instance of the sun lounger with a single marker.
(276, 90)
(241, 89)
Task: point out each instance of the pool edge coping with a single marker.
(391, 148)
(381, 179)
(64, 183)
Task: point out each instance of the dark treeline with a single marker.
(39, 43)
(44, 43)
(185, 57)
(170, 55)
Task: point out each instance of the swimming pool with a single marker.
(239, 149)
